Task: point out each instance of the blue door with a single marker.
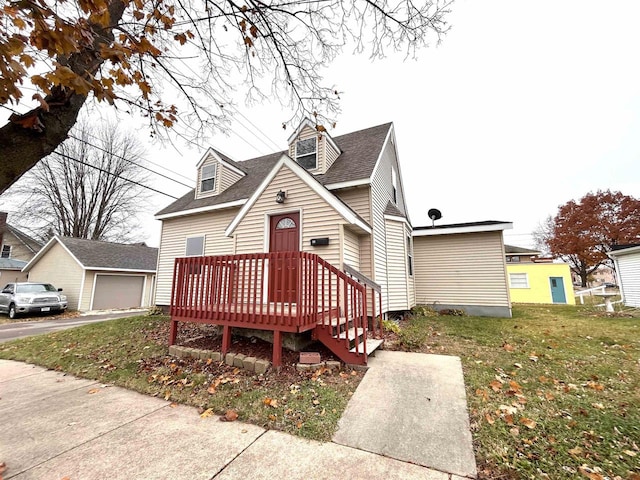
(557, 290)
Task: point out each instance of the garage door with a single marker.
(117, 291)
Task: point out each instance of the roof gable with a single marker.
(98, 255)
(346, 212)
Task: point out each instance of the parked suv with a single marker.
(31, 297)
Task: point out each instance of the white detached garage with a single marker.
(97, 275)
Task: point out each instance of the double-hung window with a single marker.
(6, 251)
(208, 178)
(518, 280)
(307, 153)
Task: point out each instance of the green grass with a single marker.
(553, 390)
(133, 353)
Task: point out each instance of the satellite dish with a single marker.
(434, 214)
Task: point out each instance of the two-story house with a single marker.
(16, 249)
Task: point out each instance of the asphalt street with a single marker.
(12, 331)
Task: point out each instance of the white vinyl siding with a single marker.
(173, 238)
(381, 194)
(18, 249)
(460, 269)
(351, 249)
(227, 177)
(629, 274)
(358, 199)
(396, 267)
(56, 266)
(317, 218)
(518, 280)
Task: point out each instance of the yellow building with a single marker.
(536, 280)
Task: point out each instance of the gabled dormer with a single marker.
(216, 173)
(314, 150)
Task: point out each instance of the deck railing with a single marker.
(284, 291)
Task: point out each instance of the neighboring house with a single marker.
(97, 275)
(627, 265)
(534, 279)
(335, 205)
(462, 266)
(602, 275)
(16, 249)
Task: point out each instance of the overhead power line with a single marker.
(116, 175)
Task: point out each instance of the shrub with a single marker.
(423, 311)
(155, 310)
(391, 326)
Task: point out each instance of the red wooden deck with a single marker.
(255, 291)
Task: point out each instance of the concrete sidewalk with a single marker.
(412, 407)
(56, 426)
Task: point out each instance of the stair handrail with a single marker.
(348, 269)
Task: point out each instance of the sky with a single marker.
(521, 108)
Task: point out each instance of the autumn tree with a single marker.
(91, 187)
(179, 63)
(583, 232)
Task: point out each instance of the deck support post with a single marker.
(173, 332)
(277, 348)
(226, 339)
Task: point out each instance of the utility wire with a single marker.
(130, 161)
(115, 175)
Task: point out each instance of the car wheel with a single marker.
(12, 311)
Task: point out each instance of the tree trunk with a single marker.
(28, 138)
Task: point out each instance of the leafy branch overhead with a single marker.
(179, 63)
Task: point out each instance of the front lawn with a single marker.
(553, 392)
(133, 353)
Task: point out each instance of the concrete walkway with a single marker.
(56, 426)
(412, 407)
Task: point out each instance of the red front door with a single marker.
(283, 274)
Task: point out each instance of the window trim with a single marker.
(2, 255)
(213, 177)
(526, 279)
(314, 153)
(186, 245)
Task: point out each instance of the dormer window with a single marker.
(208, 179)
(306, 153)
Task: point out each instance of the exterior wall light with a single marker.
(281, 196)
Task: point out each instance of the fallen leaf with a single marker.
(517, 365)
(229, 416)
(173, 405)
(527, 422)
(272, 417)
(549, 396)
(167, 394)
(598, 406)
(595, 386)
(93, 390)
(299, 425)
(496, 386)
(316, 402)
(515, 431)
(207, 413)
(489, 418)
(589, 473)
(576, 451)
(508, 419)
(631, 453)
(508, 348)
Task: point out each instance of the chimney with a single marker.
(3, 225)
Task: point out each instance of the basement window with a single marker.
(307, 153)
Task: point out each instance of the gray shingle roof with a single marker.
(393, 210)
(360, 152)
(31, 243)
(96, 254)
(12, 264)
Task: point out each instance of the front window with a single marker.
(306, 153)
(409, 256)
(208, 179)
(195, 246)
(518, 280)
(6, 251)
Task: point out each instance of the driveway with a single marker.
(12, 331)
